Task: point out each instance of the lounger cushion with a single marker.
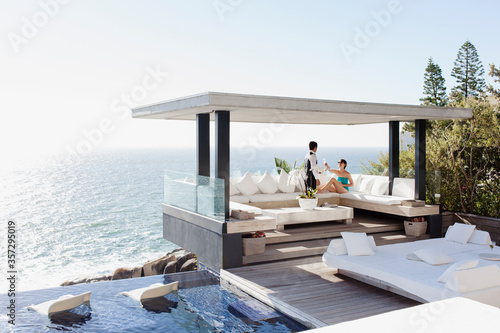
(357, 244)
(433, 256)
(267, 184)
(460, 233)
(463, 264)
(283, 183)
(474, 279)
(328, 195)
(480, 237)
(246, 185)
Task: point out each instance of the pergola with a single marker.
(224, 108)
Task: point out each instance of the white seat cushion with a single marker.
(328, 195)
(239, 199)
(378, 199)
(272, 197)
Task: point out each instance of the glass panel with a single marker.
(199, 194)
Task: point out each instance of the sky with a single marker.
(71, 69)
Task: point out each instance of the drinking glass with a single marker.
(492, 246)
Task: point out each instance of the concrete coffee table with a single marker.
(297, 215)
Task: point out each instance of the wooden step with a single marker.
(317, 247)
(328, 230)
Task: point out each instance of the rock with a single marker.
(185, 257)
(137, 272)
(157, 266)
(171, 267)
(189, 265)
(123, 273)
(86, 280)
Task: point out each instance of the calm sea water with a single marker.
(86, 216)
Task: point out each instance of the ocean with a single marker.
(86, 216)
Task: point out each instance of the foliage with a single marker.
(381, 166)
(495, 74)
(466, 153)
(434, 89)
(309, 194)
(468, 71)
(281, 164)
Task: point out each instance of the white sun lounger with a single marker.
(154, 290)
(63, 303)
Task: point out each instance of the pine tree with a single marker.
(468, 71)
(495, 74)
(434, 88)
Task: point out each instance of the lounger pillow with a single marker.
(357, 244)
(459, 233)
(283, 183)
(433, 256)
(463, 264)
(480, 237)
(246, 185)
(267, 184)
(337, 246)
(474, 279)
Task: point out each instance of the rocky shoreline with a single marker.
(179, 260)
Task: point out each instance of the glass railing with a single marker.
(198, 194)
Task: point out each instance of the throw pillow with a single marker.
(357, 244)
(246, 185)
(480, 237)
(356, 179)
(459, 233)
(267, 184)
(380, 186)
(283, 184)
(432, 256)
(463, 264)
(366, 184)
(337, 247)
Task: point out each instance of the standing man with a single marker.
(310, 163)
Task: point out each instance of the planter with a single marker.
(415, 228)
(308, 204)
(253, 246)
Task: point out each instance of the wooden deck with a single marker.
(311, 293)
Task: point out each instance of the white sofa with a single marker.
(369, 192)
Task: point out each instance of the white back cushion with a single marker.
(283, 183)
(463, 264)
(366, 184)
(404, 187)
(474, 279)
(381, 186)
(356, 178)
(357, 244)
(267, 184)
(433, 256)
(246, 185)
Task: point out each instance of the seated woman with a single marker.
(343, 181)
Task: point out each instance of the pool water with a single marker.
(201, 304)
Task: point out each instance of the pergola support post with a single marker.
(393, 153)
(203, 144)
(222, 153)
(420, 173)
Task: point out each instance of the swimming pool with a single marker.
(201, 304)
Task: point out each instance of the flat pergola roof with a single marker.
(292, 110)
